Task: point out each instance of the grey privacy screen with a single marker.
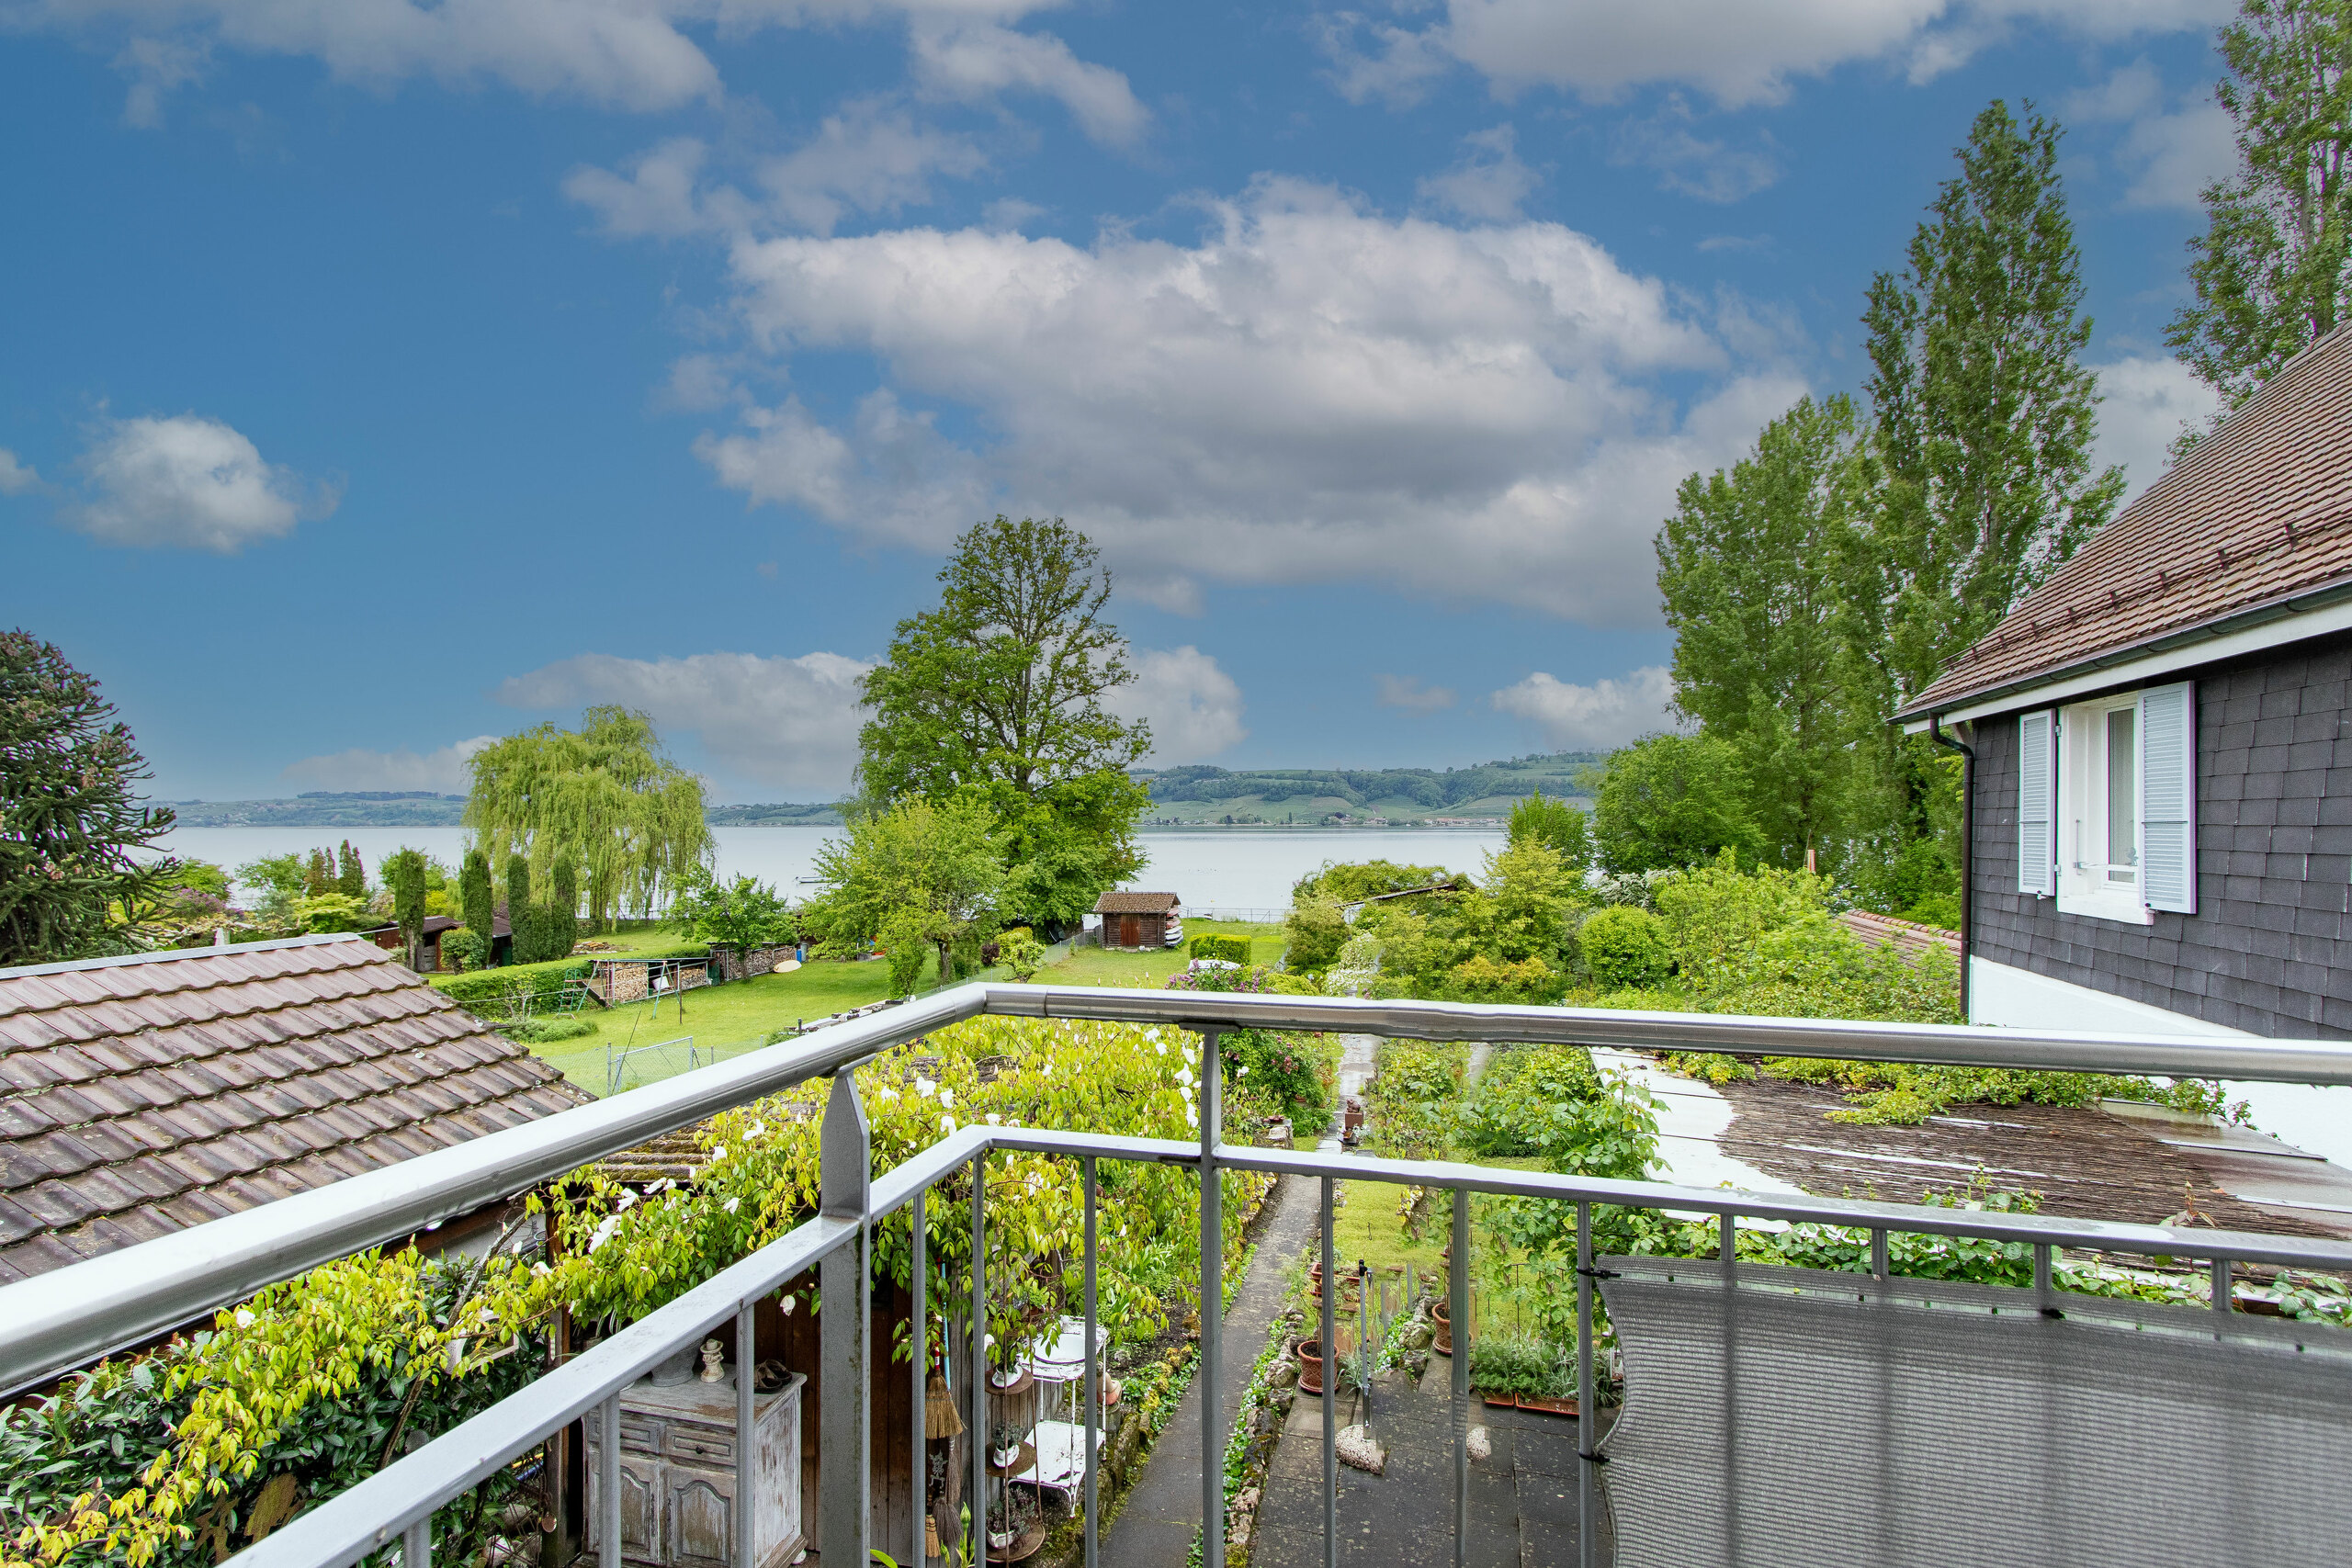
(1803, 1418)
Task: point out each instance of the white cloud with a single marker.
(2170, 154)
(1603, 715)
(1408, 693)
(190, 482)
(16, 478)
(2145, 401)
(626, 53)
(1487, 182)
(1311, 392)
(786, 722)
(1736, 52)
(444, 771)
(1194, 706)
(155, 67)
(869, 157)
(1712, 169)
(975, 61)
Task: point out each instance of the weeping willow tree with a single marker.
(604, 796)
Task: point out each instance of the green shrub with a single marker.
(1317, 931)
(1512, 1110)
(1292, 1073)
(1482, 980)
(468, 947)
(1231, 949)
(1513, 1364)
(514, 982)
(1625, 946)
(539, 1032)
(1415, 1089)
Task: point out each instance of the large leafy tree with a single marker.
(1002, 689)
(1982, 408)
(1759, 568)
(2273, 271)
(922, 872)
(1670, 801)
(605, 795)
(72, 827)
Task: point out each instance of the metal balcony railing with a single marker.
(75, 1315)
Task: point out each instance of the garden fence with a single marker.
(1772, 1415)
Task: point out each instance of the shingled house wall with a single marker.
(2269, 950)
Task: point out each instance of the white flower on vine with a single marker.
(663, 1185)
(947, 1124)
(629, 1201)
(732, 1205)
(244, 1318)
(925, 1088)
(604, 1232)
(718, 1154)
(758, 1129)
(947, 1098)
(1243, 1072)
(541, 1270)
(993, 1118)
(1160, 1050)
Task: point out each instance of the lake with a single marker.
(1210, 869)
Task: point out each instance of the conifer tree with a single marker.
(2273, 271)
(475, 896)
(318, 875)
(518, 910)
(564, 908)
(351, 880)
(405, 875)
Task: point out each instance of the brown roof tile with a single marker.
(140, 1098)
(2259, 513)
(1122, 903)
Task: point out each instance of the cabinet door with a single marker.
(701, 1519)
(640, 1510)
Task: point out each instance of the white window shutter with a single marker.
(2038, 803)
(2168, 798)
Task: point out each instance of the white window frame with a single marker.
(2083, 886)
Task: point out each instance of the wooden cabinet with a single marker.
(677, 1464)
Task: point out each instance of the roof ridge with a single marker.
(168, 954)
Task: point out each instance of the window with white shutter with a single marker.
(2037, 804)
(2167, 804)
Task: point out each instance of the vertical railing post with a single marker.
(2043, 1286)
(746, 1441)
(1587, 1396)
(980, 1437)
(608, 1481)
(1730, 1246)
(1458, 1308)
(919, 1353)
(1330, 1330)
(1880, 1267)
(1090, 1389)
(417, 1543)
(2221, 1303)
(845, 1173)
(1212, 1303)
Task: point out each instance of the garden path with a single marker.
(1162, 1513)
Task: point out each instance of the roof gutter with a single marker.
(2185, 646)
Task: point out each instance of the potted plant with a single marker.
(1442, 1316)
(1308, 1353)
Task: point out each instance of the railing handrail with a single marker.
(71, 1317)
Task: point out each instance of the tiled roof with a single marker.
(1910, 938)
(141, 1097)
(2259, 513)
(1116, 903)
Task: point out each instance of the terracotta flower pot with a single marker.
(1309, 1355)
(1442, 1317)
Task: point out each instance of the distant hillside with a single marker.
(1312, 796)
(367, 808)
(422, 808)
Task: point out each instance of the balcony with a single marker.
(1769, 1414)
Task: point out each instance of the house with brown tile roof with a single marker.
(1140, 919)
(143, 1095)
(2159, 740)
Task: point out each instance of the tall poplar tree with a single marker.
(476, 898)
(2273, 270)
(1757, 568)
(1982, 410)
(522, 928)
(351, 874)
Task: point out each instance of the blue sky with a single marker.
(376, 377)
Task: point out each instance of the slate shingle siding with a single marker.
(2269, 950)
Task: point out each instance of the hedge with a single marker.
(515, 979)
(1232, 949)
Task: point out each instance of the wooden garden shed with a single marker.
(1140, 919)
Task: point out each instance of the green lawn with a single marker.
(727, 1019)
(731, 1019)
(1148, 971)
